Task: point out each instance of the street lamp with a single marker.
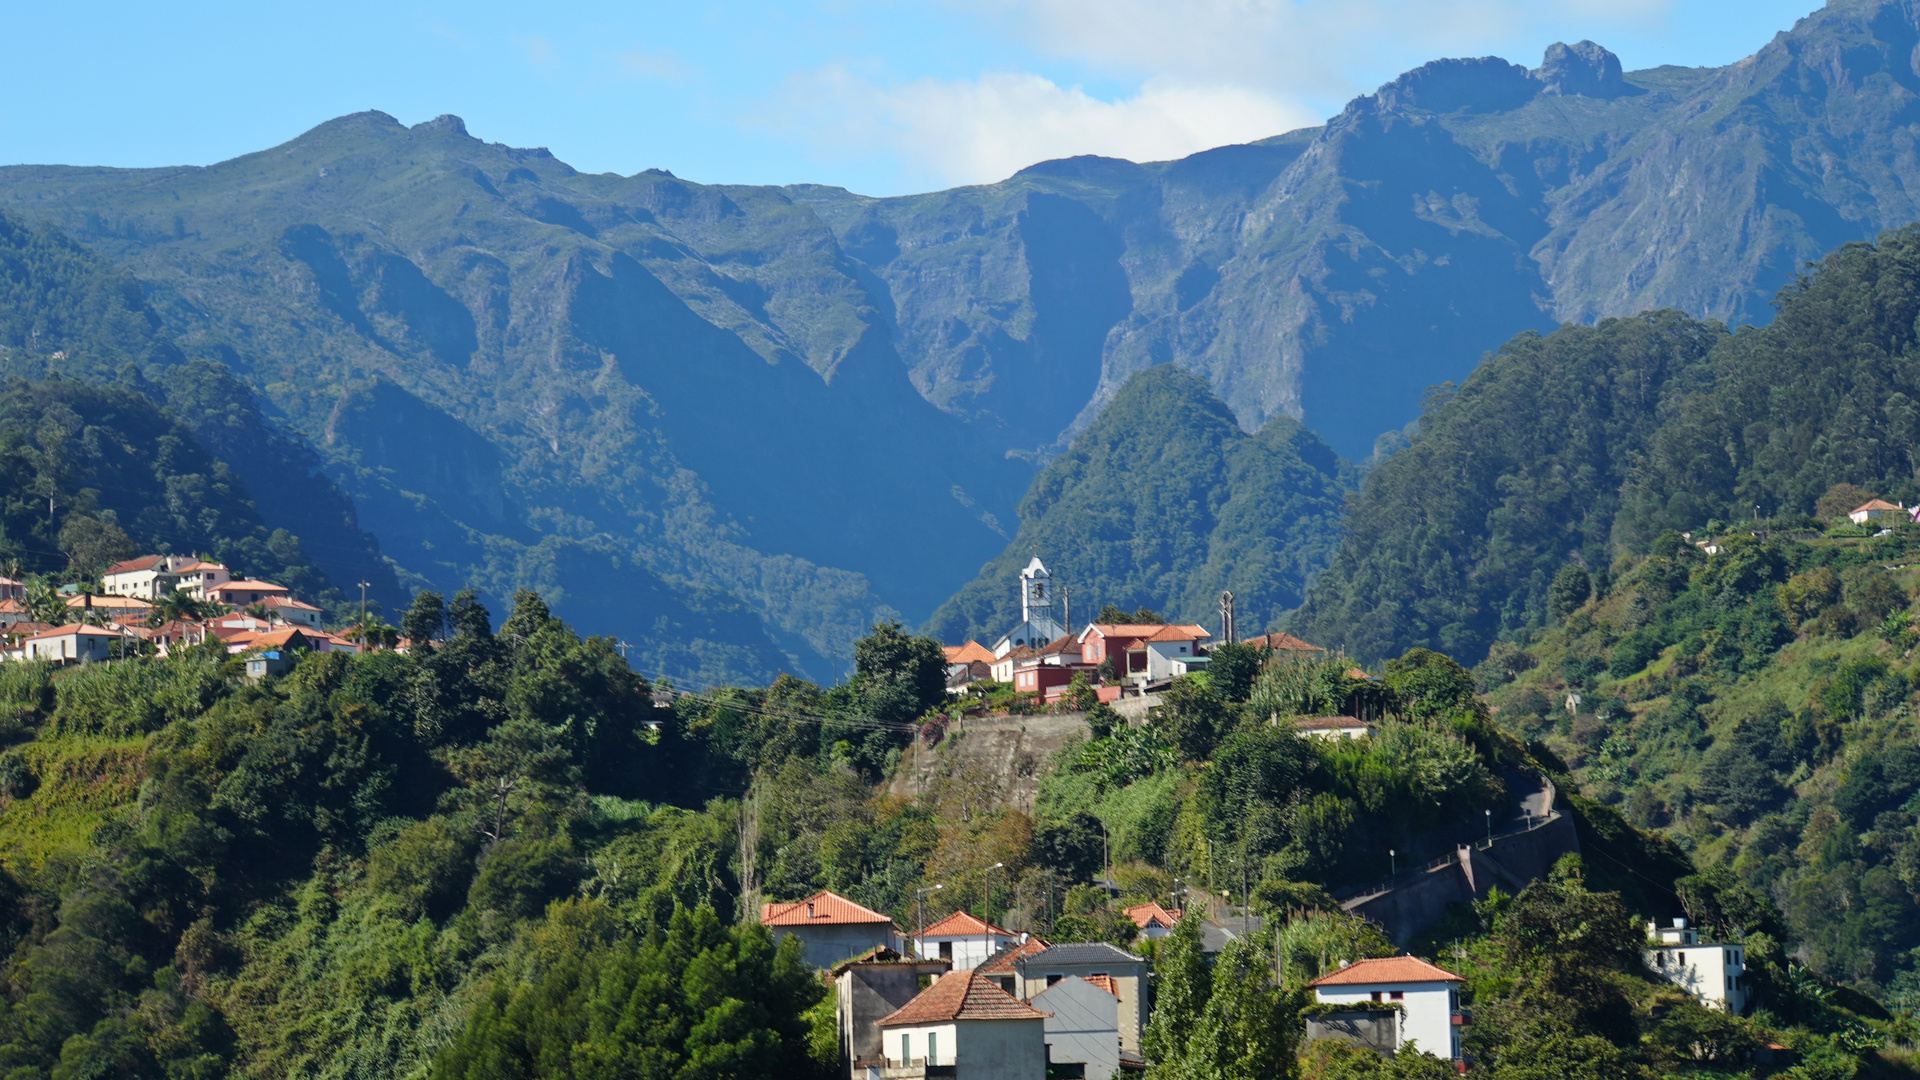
(986, 905)
(1393, 864)
(1489, 829)
(920, 914)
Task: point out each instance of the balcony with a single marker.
(917, 1069)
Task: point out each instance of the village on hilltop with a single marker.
(156, 603)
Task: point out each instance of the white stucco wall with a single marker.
(969, 952)
(1085, 1026)
(1712, 973)
(1428, 1018)
(977, 1049)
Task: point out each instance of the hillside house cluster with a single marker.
(260, 619)
(1040, 656)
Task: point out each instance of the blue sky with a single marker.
(881, 96)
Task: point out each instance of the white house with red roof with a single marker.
(74, 643)
(966, 1027)
(291, 612)
(198, 577)
(1153, 920)
(1876, 510)
(242, 593)
(1143, 652)
(1425, 997)
(831, 928)
(964, 940)
(148, 577)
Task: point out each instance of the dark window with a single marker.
(1399, 995)
(1376, 995)
(1051, 979)
(946, 950)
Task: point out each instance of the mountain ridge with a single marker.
(827, 405)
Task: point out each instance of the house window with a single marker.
(1051, 979)
(933, 1048)
(1376, 995)
(1399, 995)
(946, 950)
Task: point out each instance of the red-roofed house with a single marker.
(1429, 999)
(1153, 920)
(830, 927)
(1876, 510)
(967, 664)
(287, 610)
(1142, 653)
(74, 643)
(964, 940)
(242, 593)
(966, 1027)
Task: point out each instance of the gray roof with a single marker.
(1082, 952)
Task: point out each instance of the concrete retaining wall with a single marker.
(1512, 862)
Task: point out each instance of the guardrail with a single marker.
(1383, 886)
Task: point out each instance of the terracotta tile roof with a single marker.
(1388, 969)
(1145, 915)
(1104, 982)
(963, 995)
(144, 562)
(1282, 643)
(1002, 961)
(1188, 632)
(1061, 645)
(125, 603)
(821, 909)
(249, 585)
(11, 607)
(1876, 504)
(1136, 630)
(71, 628)
(971, 653)
(963, 924)
(1330, 723)
(279, 638)
(286, 601)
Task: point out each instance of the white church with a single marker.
(1037, 625)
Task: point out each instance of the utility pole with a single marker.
(623, 647)
(364, 585)
(1066, 608)
(1226, 617)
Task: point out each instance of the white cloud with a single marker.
(1293, 46)
(944, 132)
(663, 66)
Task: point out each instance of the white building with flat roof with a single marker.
(1714, 972)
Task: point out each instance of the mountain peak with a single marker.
(450, 122)
(1585, 69)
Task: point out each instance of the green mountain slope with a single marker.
(64, 310)
(1164, 502)
(775, 392)
(1589, 442)
(1748, 705)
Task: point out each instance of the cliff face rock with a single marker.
(826, 406)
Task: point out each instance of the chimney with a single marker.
(809, 909)
(1679, 924)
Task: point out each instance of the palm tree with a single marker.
(44, 602)
(180, 605)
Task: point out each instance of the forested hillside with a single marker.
(495, 857)
(1162, 503)
(65, 311)
(1591, 441)
(1756, 704)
